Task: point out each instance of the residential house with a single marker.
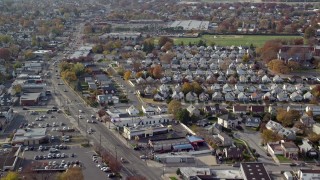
(239, 109)
(256, 109)
(229, 121)
(307, 120)
(287, 134)
(230, 97)
(203, 97)
(226, 88)
(273, 126)
(253, 122)
(316, 128)
(277, 79)
(307, 96)
(305, 147)
(243, 97)
(217, 96)
(314, 109)
(191, 97)
(132, 111)
(233, 153)
(225, 139)
(148, 110)
(265, 79)
(296, 97)
(290, 150)
(274, 148)
(282, 96)
(307, 174)
(162, 109)
(177, 95)
(193, 110)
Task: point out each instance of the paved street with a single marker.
(109, 140)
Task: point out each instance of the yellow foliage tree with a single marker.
(187, 87)
(69, 76)
(278, 66)
(74, 173)
(11, 176)
(127, 75)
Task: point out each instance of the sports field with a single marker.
(229, 40)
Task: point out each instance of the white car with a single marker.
(80, 117)
(80, 111)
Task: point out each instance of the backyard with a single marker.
(229, 40)
(283, 159)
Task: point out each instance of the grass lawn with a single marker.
(229, 40)
(283, 159)
(238, 141)
(173, 178)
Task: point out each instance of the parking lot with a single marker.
(56, 123)
(73, 156)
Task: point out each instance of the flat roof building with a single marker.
(30, 136)
(144, 131)
(29, 99)
(190, 25)
(254, 171)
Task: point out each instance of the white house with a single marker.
(193, 110)
(273, 126)
(148, 110)
(228, 121)
(132, 111)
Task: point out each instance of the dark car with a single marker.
(293, 164)
(24, 108)
(111, 175)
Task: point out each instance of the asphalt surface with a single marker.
(83, 155)
(70, 100)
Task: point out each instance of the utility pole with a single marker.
(100, 139)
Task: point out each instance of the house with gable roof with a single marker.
(132, 111)
(193, 110)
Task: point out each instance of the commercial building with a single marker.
(164, 145)
(174, 158)
(190, 25)
(253, 170)
(30, 99)
(30, 136)
(145, 120)
(143, 130)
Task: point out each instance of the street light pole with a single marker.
(79, 119)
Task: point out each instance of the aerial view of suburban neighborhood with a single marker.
(160, 89)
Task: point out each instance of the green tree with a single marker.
(17, 65)
(17, 89)
(97, 49)
(74, 173)
(174, 106)
(78, 69)
(11, 176)
(182, 115)
(309, 32)
(245, 58)
(148, 45)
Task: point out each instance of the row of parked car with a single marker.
(103, 167)
(52, 148)
(63, 165)
(52, 156)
